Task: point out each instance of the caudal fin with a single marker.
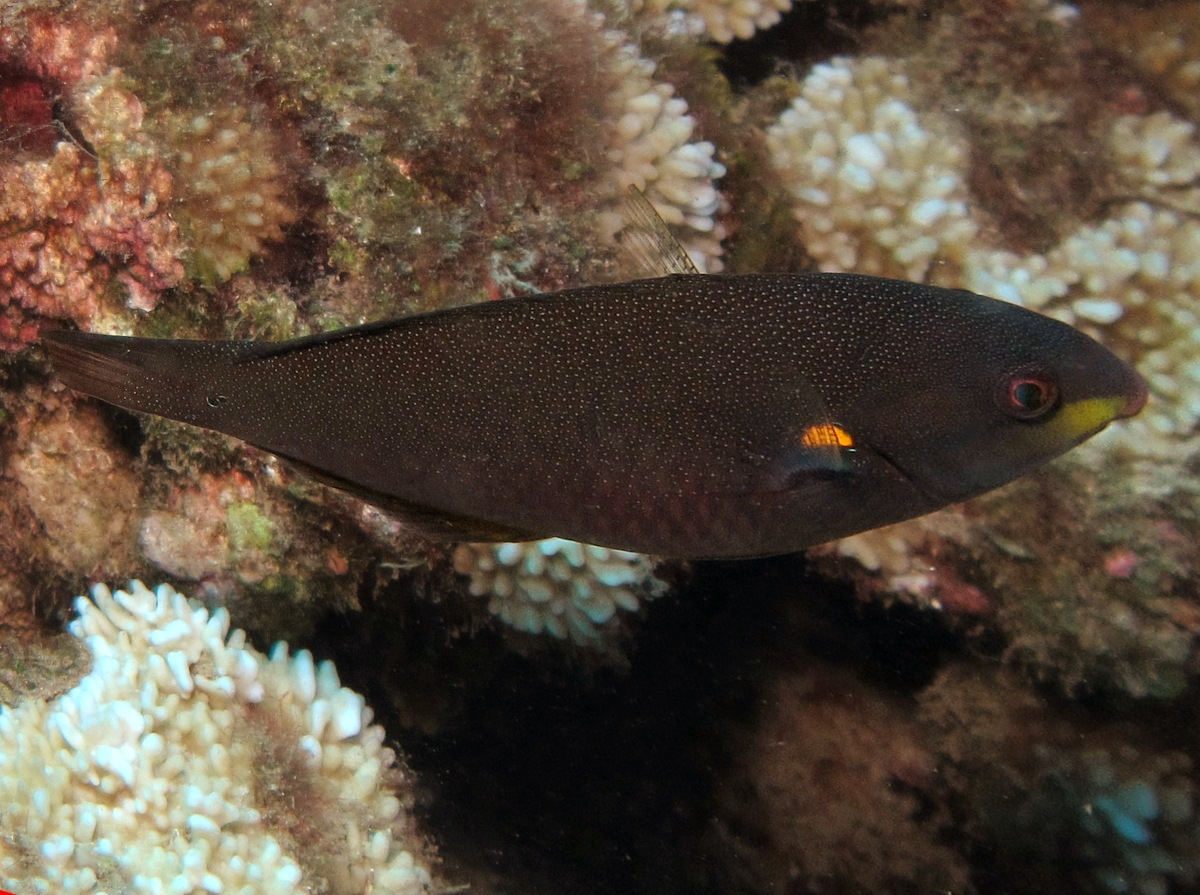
(159, 376)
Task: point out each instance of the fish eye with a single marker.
(216, 400)
(1028, 393)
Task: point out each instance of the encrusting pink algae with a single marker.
(86, 198)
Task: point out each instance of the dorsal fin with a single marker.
(648, 239)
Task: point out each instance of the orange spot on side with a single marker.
(826, 435)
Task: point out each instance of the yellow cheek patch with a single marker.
(826, 435)
(1077, 420)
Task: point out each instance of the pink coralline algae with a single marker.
(84, 202)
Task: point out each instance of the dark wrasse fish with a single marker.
(688, 416)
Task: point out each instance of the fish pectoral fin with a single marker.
(798, 465)
(430, 521)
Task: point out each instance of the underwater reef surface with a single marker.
(998, 698)
(177, 763)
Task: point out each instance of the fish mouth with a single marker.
(1079, 420)
(1136, 399)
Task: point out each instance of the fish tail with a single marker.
(152, 375)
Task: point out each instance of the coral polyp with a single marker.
(651, 149)
(232, 195)
(720, 20)
(876, 187)
(558, 587)
(185, 756)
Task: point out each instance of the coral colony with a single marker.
(291, 167)
(270, 769)
(79, 212)
(563, 588)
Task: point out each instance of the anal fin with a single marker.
(432, 522)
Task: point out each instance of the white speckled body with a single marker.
(664, 416)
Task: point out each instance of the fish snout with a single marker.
(1136, 398)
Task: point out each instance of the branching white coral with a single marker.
(651, 148)
(185, 763)
(563, 588)
(887, 553)
(231, 189)
(877, 188)
(720, 20)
